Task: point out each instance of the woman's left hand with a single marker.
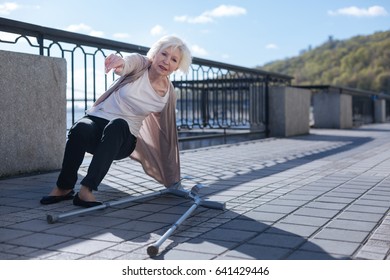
(114, 62)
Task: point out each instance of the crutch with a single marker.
(193, 194)
(51, 219)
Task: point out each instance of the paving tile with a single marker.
(326, 205)
(379, 236)
(8, 256)
(365, 255)
(64, 256)
(141, 226)
(315, 212)
(367, 209)
(39, 240)
(376, 249)
(206, 246)
(73, 230)
(330, 246)
(34, 225)
(257, 252)
(277, 240)
(300, 230)
(129, 214)
(359, 216)
(41, 254)
(352, 225)
(342, 235)
(10, 234)
(162, 218)
(231, 235)
(275, 209)
(176, 254)
(99, 221)
(263, 216)
(115, 235)
(373, 202)
(104, 255)
(383, 229)
(246, 225)
(335, 199)
(308, 255)
(82, 246)
(304, 220)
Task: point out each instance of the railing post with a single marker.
(40, 43)
(204, 107)
(267, 106)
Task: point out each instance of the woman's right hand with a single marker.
(114, 62)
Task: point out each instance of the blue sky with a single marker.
(240, 32)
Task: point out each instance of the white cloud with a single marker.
(8, 7)
(121, 35)
(198, 51)
(96, 33)
(83, 28)
(226, 11)
(209, 16)
(373, 11)
(79, 28)
(157, 30)
(272, 46)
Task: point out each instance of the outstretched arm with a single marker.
(114, 62)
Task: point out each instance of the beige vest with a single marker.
(157, 146)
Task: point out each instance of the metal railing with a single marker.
(211, 96)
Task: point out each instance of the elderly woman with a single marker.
(135, 117)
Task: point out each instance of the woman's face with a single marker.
(167, 61)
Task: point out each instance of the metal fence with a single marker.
(212, 96)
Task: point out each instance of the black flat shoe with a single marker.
(51, 199)
(86, 204)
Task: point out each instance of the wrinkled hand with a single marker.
(114, 62)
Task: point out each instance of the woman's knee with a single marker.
(119, 127)
(83, 129)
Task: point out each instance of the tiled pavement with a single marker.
(320, 196)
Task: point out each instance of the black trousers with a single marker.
(106, 140)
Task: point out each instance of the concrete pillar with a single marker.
(289, 111)
(32, 113)
(380, 110)
(332, 109)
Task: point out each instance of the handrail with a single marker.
(27, 29)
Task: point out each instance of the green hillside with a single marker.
(362, 62)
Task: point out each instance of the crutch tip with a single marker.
(152, 251)
(51, 219)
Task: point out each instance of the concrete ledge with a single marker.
(32, 113)
(332, 109)
(289, 111)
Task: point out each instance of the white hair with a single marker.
(175, 42)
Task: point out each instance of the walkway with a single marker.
(321, 196)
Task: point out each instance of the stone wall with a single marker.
(32, 113)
